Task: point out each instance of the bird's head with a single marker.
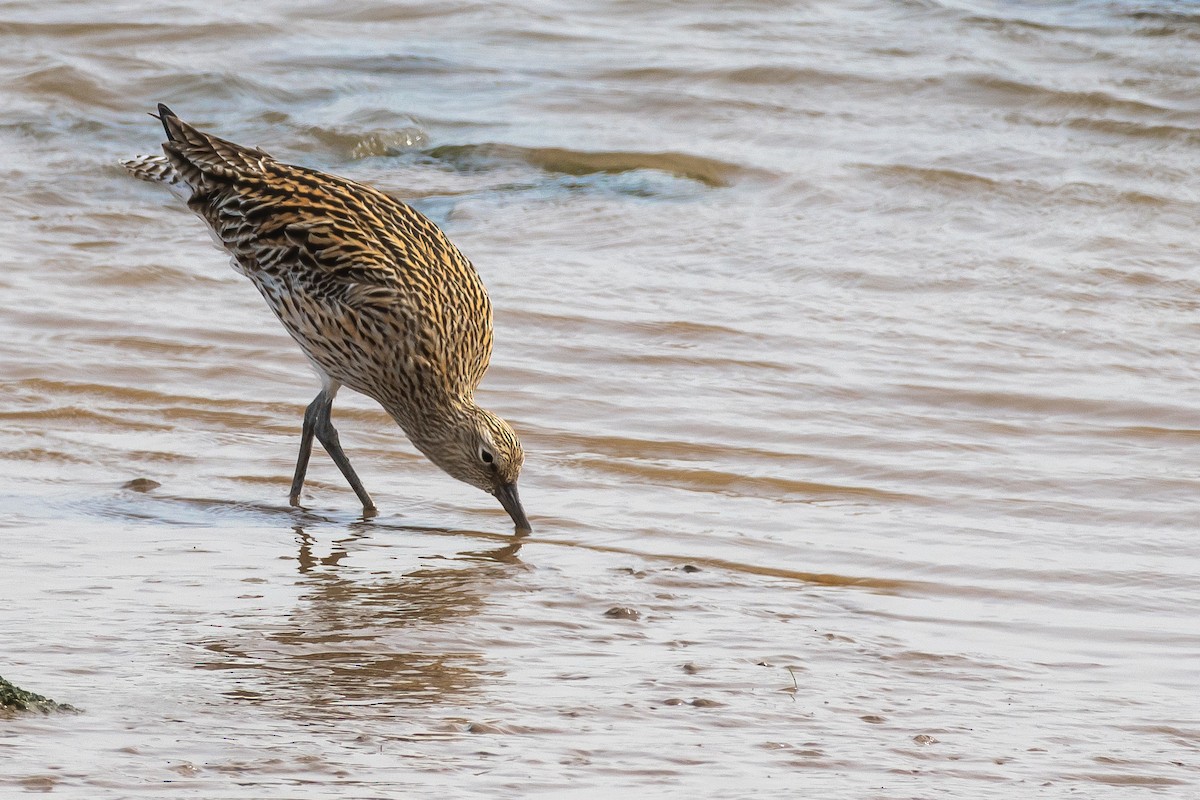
(483, 450)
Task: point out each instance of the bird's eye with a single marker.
(486, 456)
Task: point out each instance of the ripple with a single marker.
(1005, 91)
(708, 171)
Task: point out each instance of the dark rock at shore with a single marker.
(13, 698)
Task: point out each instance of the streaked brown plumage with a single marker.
(375, 294)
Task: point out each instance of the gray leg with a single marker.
(306, 438)
(317, 423)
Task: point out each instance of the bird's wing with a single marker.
(201, 159)
(365, 259)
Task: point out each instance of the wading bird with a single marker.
(375, 294)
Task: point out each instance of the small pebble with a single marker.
(700, 702)
(622, 612)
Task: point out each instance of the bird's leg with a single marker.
(306, 438)
(327, 435)
(317, 422)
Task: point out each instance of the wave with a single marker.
(708, 171)
(1001, 91)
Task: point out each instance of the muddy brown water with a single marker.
(854, 347)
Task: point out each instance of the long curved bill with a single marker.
(508, 497)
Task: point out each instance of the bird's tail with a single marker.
(157, 169)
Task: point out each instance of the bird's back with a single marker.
(373, 291)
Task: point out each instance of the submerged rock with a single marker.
(13, 698)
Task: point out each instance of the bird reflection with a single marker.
(374, 638)
(502, 555)
(308, 560)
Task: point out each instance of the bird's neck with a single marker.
(434, 428)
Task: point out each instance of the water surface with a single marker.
(853, 346)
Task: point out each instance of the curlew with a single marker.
(375, 294)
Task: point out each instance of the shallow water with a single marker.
(853, 347)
